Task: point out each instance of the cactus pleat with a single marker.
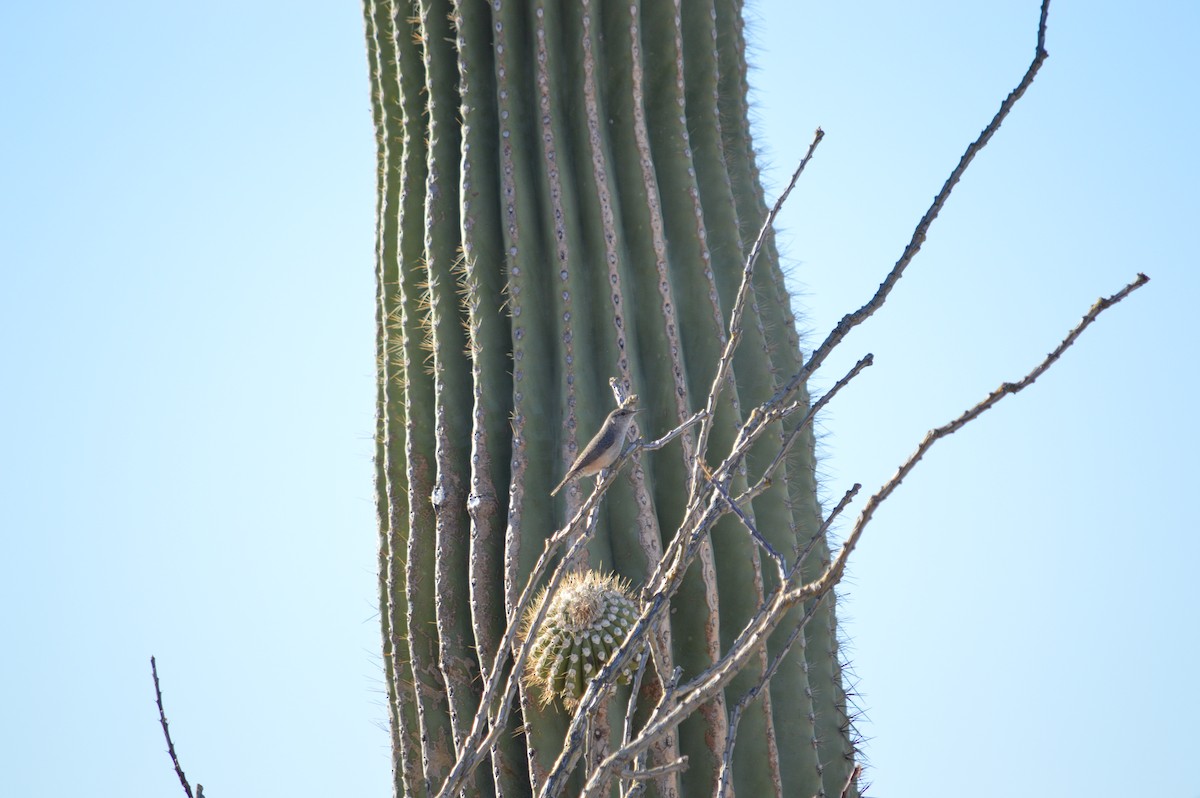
(489, 331)
(387, 533)
(451, 373)
(566, 194)
(391, 433)
(410, 340)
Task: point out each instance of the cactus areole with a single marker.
(566, 194)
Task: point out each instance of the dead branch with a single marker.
(834, 573)
(739, 305)
(852, 320)
(716, 677)
(162, 718)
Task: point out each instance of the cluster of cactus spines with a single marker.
(589, 616)
(566, 194)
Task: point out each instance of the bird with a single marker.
(602, 450)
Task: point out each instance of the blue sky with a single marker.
(186, 237)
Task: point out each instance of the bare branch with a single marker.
(746, 522)
(708, 501)
(486, 729)
(768, 617)
(852, 320)
(739, 306)
(658, 443)
(726, 772)
(820, 533)
(837, 567)
(635, 689)
(162, 718)
(780, 411)
(650, 773)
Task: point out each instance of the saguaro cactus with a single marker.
(567, 194)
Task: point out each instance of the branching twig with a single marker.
(837, 567)
(635, 688)
(162, 718)
(820, 533)
(726, 772)
(661, 770)
(746, 522)
(752, 434)
(852, 320)
(716, 677)
(485, 728)
(677, 556)
(739, 305)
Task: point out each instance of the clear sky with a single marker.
(186, 229)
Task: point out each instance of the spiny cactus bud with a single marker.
(588, 619)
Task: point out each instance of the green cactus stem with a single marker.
(567, 192)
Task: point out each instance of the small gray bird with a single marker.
(603, 449)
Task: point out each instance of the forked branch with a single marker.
(834, 573)
(852, 320)
(696, 692)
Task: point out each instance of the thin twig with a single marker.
(726, 771)
(162, 718)
(658, 443)
(770, 416)
(746, 522)
(820, 533)
(650, 773)
(834, 572)
(635, 688)
(486, 729)
(852, 320)
(739, 305)
(631, 707)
